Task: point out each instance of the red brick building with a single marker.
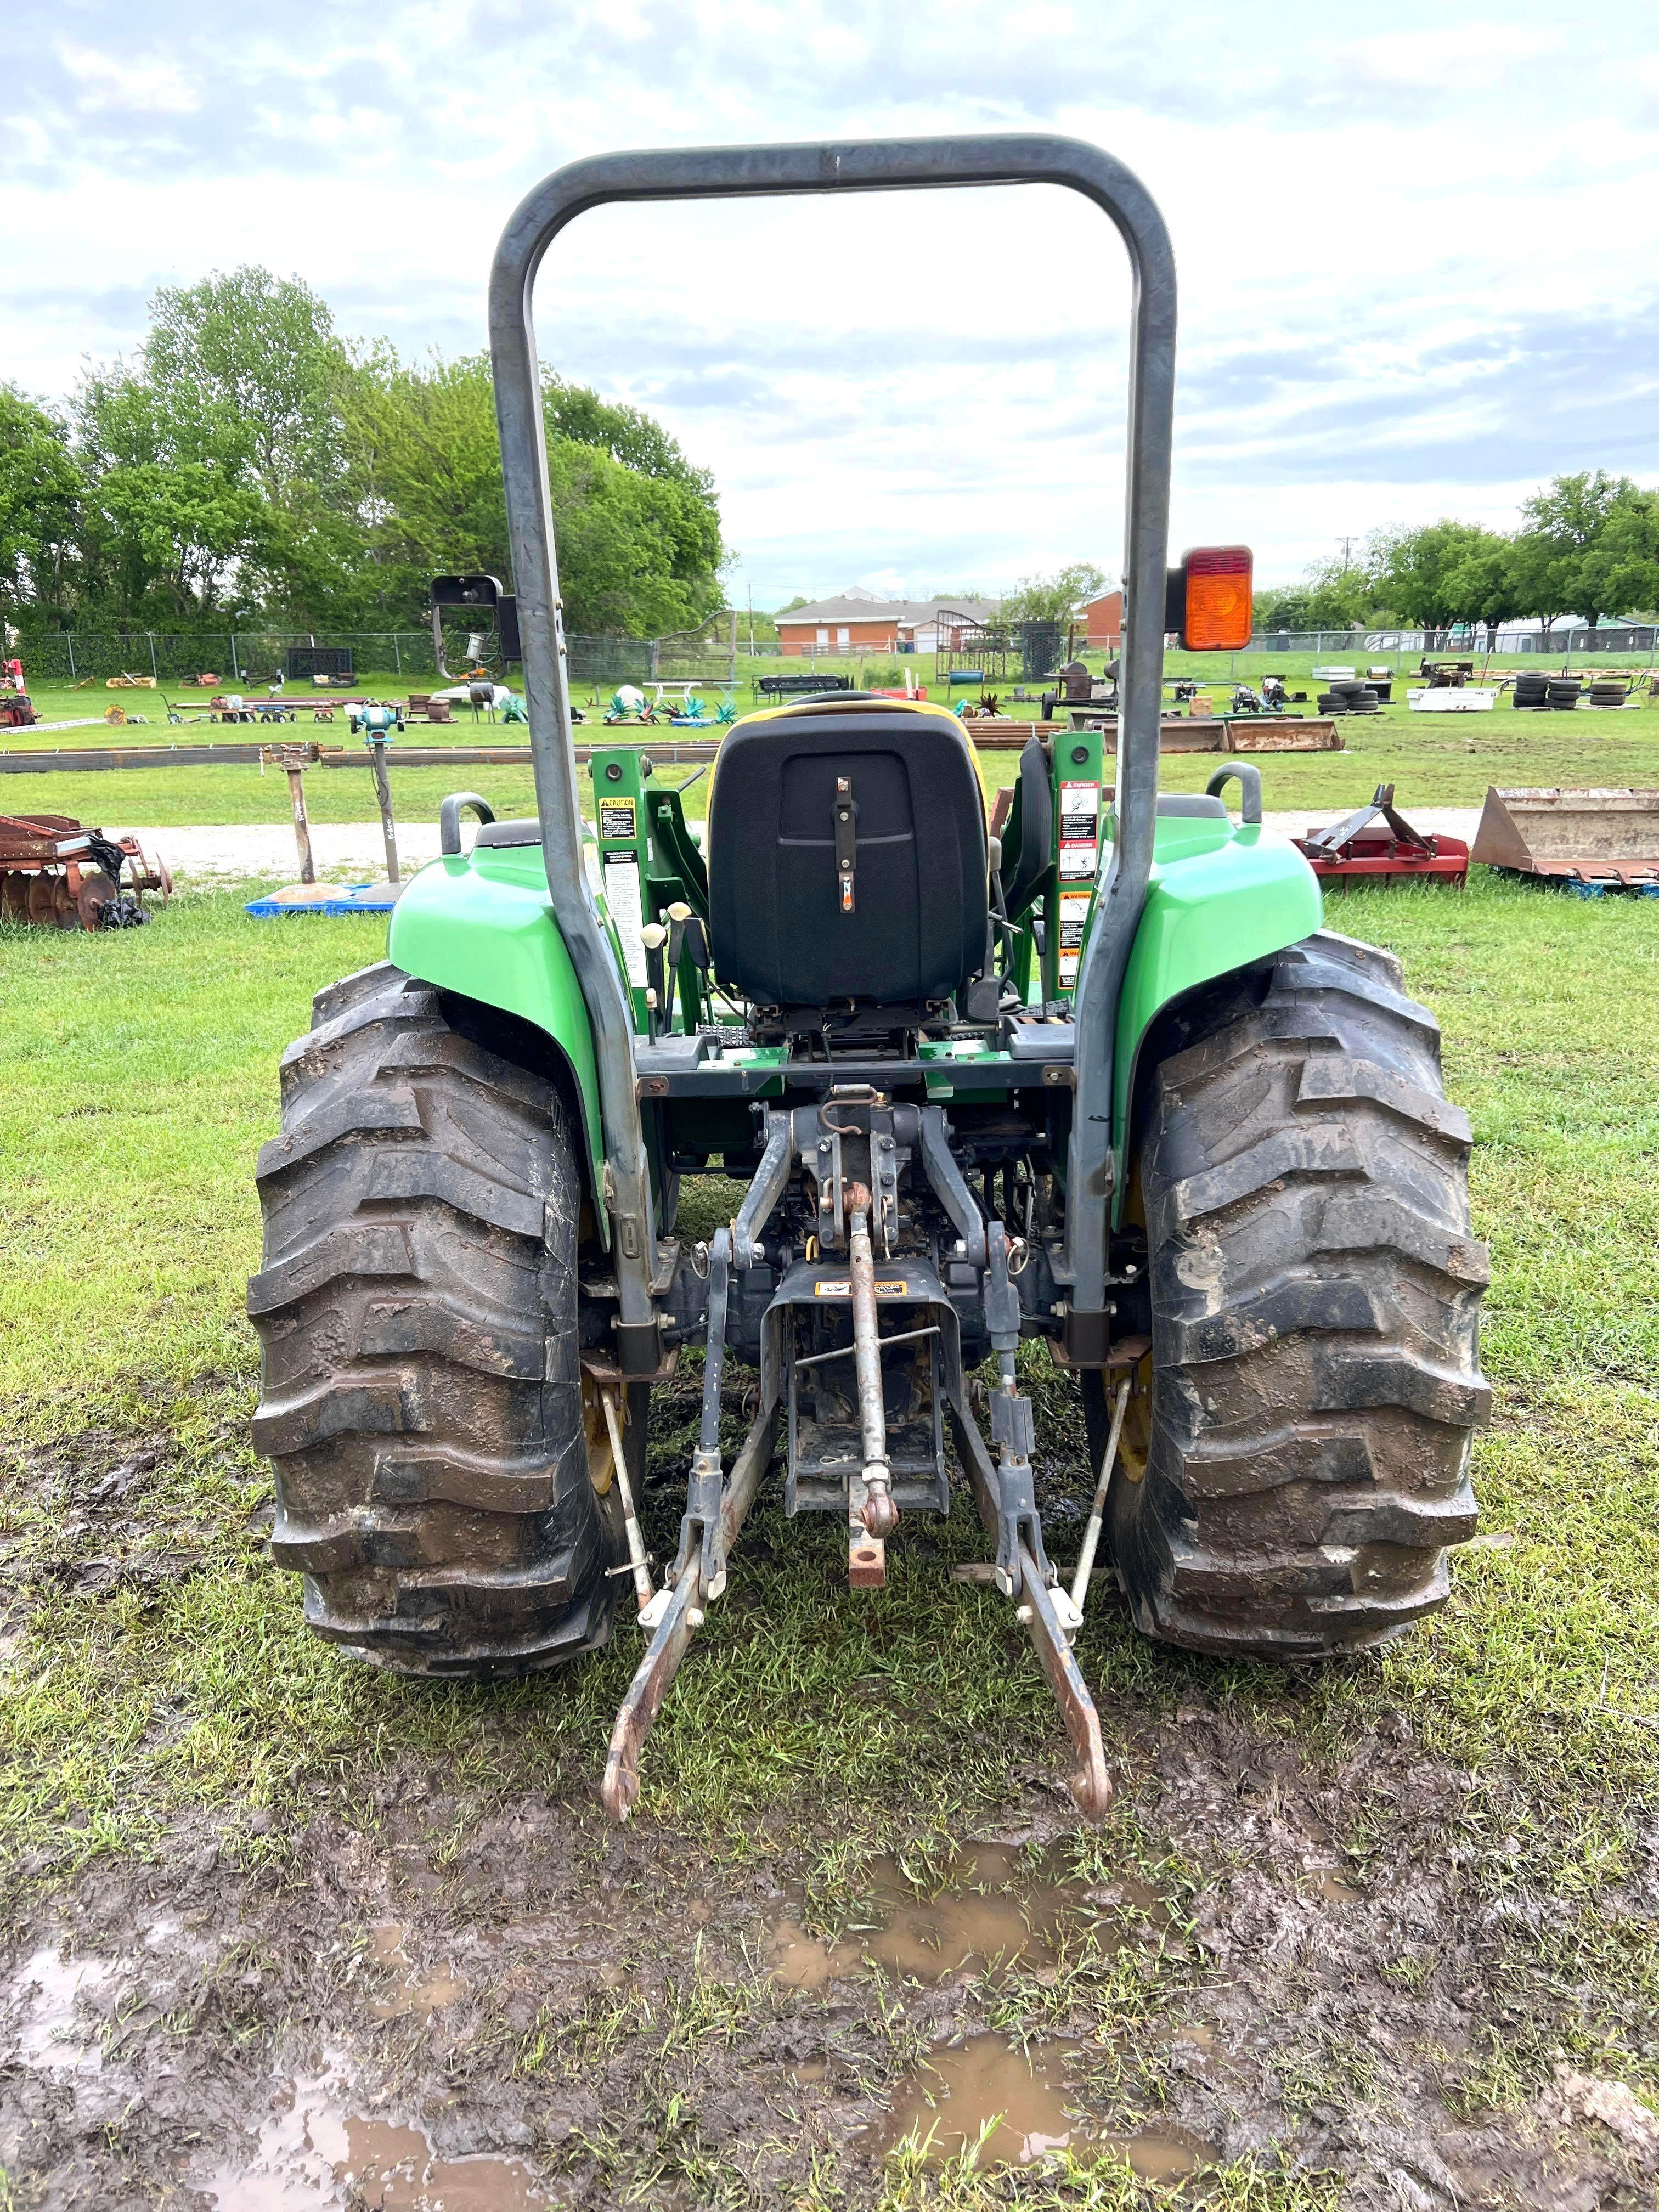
(857, 622)
(1103, 620)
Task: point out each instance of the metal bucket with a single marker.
(1607, 837)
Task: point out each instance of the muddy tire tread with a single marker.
(420, 1398)
(1314, 1293)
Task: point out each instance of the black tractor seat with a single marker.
(846, 860)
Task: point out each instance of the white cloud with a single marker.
(153, 85)
(1415, 263)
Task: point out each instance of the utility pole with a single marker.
(751, 622)
(1348, 545)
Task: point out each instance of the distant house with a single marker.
(856, 621)
(1103, 620)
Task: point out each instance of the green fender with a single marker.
(1221, 895)
(482, 925)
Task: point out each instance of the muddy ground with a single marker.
(1293, 1969)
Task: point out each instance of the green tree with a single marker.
(1056, 597)
(636, 441)
(1562, 530)
(246, 459)
(1281, 606)
(167, 520)
(1620, 570)
(1435, 575)
(40, 489)
(249, 364)
(1333, 594)
(1342, 595)
(1487, 584)
(637, 552)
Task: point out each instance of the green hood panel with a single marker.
(1221, 896)
(484, 926)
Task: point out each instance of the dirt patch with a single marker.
(429, 2002)
(1303, 1949)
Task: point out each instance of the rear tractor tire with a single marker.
(1295, 1459)
(441, 1484)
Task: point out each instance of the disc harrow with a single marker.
(56, 873)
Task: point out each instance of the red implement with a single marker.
(59, 874)
(1378, 841)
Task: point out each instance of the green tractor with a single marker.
(1089, 1072)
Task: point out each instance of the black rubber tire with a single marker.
(1314, 1380)
(422, 1400)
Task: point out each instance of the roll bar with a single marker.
(868, 164)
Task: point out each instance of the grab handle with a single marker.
(1249, 783)
(449, 818)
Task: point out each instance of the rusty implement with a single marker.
(57, 873)
(1587, 841)
(1376, 841)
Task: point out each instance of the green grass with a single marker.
(159, 1662)
(1447, 761)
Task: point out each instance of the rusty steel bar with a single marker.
(1091, 1785)
(880, 1514)
(383, 794)
(683, 1617)
(301, 828)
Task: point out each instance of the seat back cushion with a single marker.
(916, 930)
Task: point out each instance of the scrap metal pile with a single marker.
(59, 874)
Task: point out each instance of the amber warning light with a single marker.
(1208, 602)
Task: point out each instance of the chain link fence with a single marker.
(257, 656)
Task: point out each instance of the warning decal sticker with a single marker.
(615, 819)
(1079, 831)
(622, 899)
(1079, 811)
(844, 1290)
(1073, 913)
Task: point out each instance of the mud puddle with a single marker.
(53, 2034)
(312, 2153)
(992, 1909)
(413, 1995)
(1015, 2105)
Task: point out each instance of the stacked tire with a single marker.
(1563, 694)
(1606, 695)
(1348, 697)
(1531, 692)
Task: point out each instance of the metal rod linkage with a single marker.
(639, 1566)
(847, 1350)
(880, 1514)
(1086, 1558)
(682, 1618)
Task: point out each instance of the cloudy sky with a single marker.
(1418, 262)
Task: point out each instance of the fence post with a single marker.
(149, 639)
(235, 665)
(396, 652)
(69, 639)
